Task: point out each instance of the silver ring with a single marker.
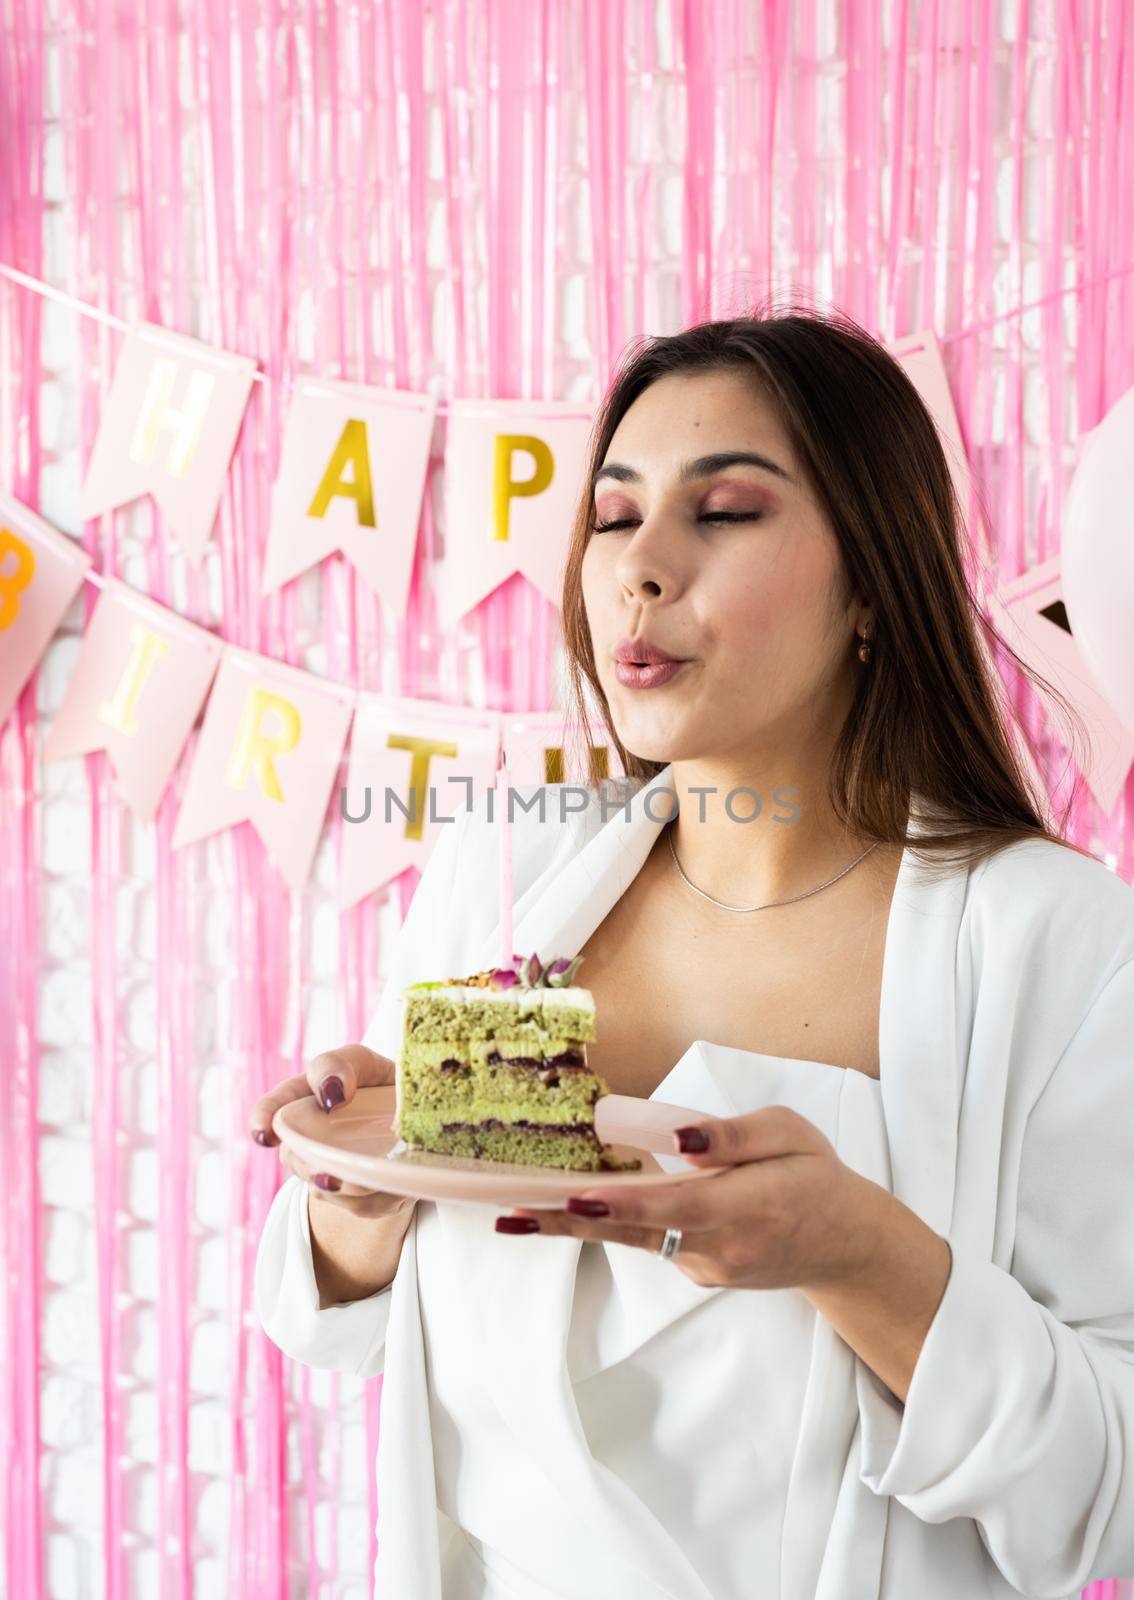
(670, 1245)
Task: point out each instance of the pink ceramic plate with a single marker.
(354, 1143)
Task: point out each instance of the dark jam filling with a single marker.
(573, 1130)
(565, 1058)
(545, 1068)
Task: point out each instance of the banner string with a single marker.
(84, 307)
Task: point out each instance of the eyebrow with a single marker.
(702, 467)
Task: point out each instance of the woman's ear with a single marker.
(858, 612)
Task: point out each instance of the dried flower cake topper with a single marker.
(526, 972)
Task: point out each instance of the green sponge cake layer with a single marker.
(501, 1074)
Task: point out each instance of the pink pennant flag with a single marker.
(168, 428)
(921, 360)
(41, 572)
(544, 747)
(352, 476)
(1029, 612)
(140, 681)
(514, 472)
(268, 754)
(412, 764)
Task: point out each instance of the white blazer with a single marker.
(1007, 1082)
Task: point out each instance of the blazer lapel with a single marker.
(920, 1048)
(564, 906)
(646, 1293)
(526, 1294)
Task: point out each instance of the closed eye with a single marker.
(710, 516)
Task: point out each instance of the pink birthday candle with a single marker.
(502, 783)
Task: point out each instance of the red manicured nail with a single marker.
(325, 1181)
(261, 1136)
(331, 1093)
(517, 1225)
(691, 1141)
(586, 1208)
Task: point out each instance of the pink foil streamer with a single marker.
(99, 88)
(21, 459)
(157, 177)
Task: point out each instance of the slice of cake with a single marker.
(495, 1066)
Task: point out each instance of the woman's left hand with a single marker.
(785, 1213)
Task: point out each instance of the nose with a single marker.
(646, 589)
(645, 568)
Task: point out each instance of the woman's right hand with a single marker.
(332, 1077)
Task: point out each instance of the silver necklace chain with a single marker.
(770, 903)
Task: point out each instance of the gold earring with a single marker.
(866, 634)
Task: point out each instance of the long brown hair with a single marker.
(930, 716)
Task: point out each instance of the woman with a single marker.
(889, 1351)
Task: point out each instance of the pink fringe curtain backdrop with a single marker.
(491, 196)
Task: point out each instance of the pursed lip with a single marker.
(639, 651)
(647, 675)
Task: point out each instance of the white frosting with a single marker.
(464, 994)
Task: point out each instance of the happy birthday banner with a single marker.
(273, 736)
(353, 470)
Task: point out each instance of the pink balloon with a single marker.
(1098, 556)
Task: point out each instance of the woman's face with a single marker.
(734, 569)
